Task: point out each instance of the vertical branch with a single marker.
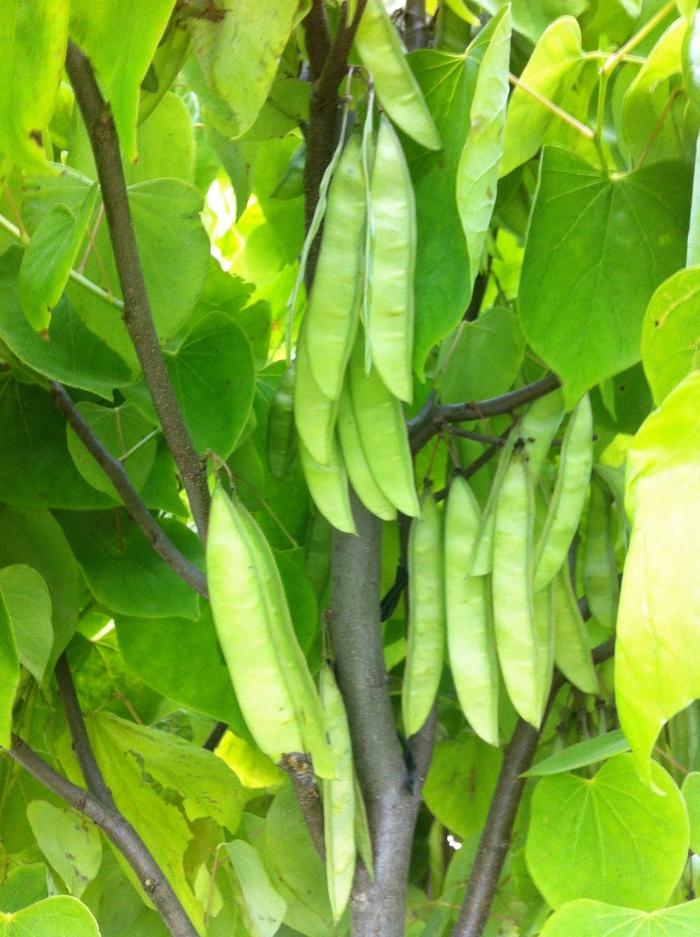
(328, 63)
(81, 741)
(498, 830)
(392, 799)
(137, 309)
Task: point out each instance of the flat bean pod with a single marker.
(571, 649)
(328, 486)
(382, 429)
(338, 798)
(513, 606)
(268, 669)
(358, 470)
(393, 265)
(425, 648)
(600, 567)
(568, 497)
(333, 315)
(381, 51)
(314, 413)
(470, 639)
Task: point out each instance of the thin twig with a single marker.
(476, 437)
(137, 310)
(81, 741)
(118, 829)
(495, 838)
(433, 417)
(116, 473)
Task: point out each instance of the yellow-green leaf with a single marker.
(659, 615)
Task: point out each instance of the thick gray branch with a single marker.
(391, 797)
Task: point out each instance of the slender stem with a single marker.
(73, 274)
(81, 741)
(433, 417)
(495, 838)
(116, 473)
(118, 829)
(613, 60)
(137, 310)
(553, 108)
(600, 117)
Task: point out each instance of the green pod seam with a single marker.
(425, 646)
(572, 654)
(281, 436)
(381, 51)
(258, 640)
(393, 265)
(470, 639)
(568, 497)
(328, 486)
(332, 318)
(600, 566)
(513, 606)
(382, 429)
(338, 798)
(314, 413)
(358, 470)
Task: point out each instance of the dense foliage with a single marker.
(349, 486)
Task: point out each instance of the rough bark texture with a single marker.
(392, 798)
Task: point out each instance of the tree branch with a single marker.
(433, 417)
(391, 800)
(119, 831)
(323, 109)
(301, 773)
(81, 741)
(496, 836)
(114, 470)
(318, 38)
(137, 309)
